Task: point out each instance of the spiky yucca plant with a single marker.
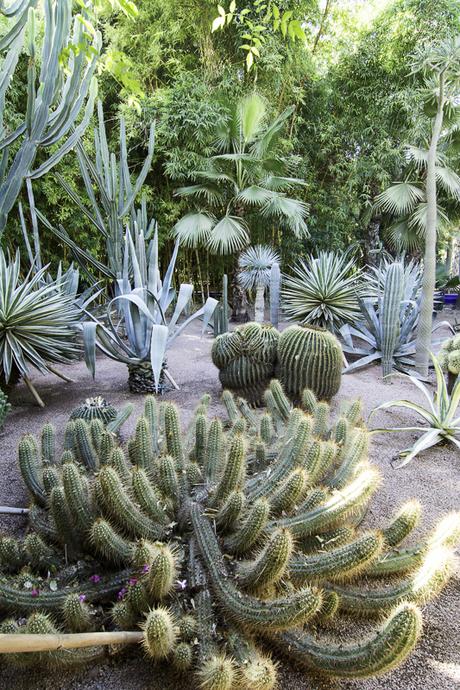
(38, 325)
(220, 548)
(322, 292)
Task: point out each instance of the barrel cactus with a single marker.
(449, 359)
(95, 408)
(219, 562)
(309, 357)
(246, 359)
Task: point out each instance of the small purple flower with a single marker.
(132, 581)
(146, 568)
(95, 579)
(121, 594)
(82, 597)
(35, 592)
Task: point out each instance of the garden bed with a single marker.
(433, 478)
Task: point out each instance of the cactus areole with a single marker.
(225, 546)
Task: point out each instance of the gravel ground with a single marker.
(434, 479)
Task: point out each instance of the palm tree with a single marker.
(255, 267)
(440, 66)
(244, 181)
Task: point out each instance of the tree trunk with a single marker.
(423, 346)
(372, 242)
(239, 299)
(259, 305)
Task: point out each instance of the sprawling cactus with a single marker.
(309, 357)
(449, 359)
(246, 359)
(219, 548)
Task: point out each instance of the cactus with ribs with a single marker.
(226, 545)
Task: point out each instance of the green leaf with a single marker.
(221, 10)
(249, 60)
(232, 6)
(218, 23)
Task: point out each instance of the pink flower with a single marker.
(35, 592)
(82, 597)
(95, 579)
(146, 568)
(132, 581)
(121, 594)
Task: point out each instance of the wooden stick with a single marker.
(33, 390)
(47, 643)
(14, 511)
(168, 375)
(60, 374)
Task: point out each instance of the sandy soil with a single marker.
(434, 479)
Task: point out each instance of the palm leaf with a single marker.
(254, 195)
(209, 192)
(251, 113)
(449, 181)
(194, 228)
(400, 198)
(228, 235)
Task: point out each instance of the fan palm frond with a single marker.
(254, 195)
(291, 212)
(418, 217)
(251, 113)
(402, 237)
(448, 180)
(268, 138)
(209, 192)
(277, 183)
(400, 198)
(194, 228)
(228, 235)
(255, 265)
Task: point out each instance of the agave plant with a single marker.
(255, 265)
(389, 317)
(143, 304)
(441, 415)
(245, 175)
(323, 291)
(38, 325)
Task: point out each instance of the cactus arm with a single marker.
(420, 587)
(341, 504)
(270, 566)
(340, 563)
(24, 601)
(378, 655)
(275, 614)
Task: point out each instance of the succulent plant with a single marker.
(449, 360)
(95, 408)
(309, 357)
(5, 407)
(323, 292)
(217, 560)
(246, 359)
(255, 265)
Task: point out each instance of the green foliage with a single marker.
(323, 292)
(269, 550)
(442, 422)
(309, 357)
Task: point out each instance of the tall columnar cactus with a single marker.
(449, 359)
(60, 101)
(213, 557)
(5, 407)
(275, 285)
(390, 306)
(246, 359)
(309, 357)
(220, 317)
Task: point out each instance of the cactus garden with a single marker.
(229, 344)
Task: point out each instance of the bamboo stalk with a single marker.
(47, 643)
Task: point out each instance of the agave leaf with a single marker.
(158, 344)
(428, 440)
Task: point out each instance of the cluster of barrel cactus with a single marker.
(449, 359)
(226, 545)
(302, 356)
(246, 359)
